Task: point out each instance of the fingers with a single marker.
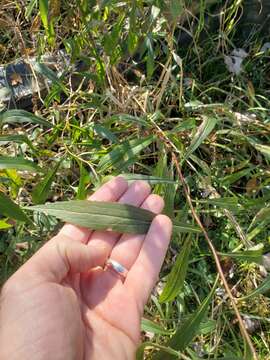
(144, 273)
(135, 195)
(63, 255)
(128, 247)
(111, 191)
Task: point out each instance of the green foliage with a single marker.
(140, 92)
(175, 281)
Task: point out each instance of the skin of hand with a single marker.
(63, 304)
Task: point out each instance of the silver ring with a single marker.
(118, 268)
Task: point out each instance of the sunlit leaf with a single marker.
(4, 225)
(103, 215)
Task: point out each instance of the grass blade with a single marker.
(151, 326)
(83, 182)
(10, 209)
(18, 164)
(103, 215)
(41, 191)
(22, 116)
(188, 329)
(203, 131)
(177, 275)
(17, 139)
(261, 289)
(125, 154)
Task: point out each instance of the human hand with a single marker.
(62, 304)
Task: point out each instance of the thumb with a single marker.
(62, 255)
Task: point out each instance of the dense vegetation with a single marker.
(158, 95)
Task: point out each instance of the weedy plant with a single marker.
(158, 98)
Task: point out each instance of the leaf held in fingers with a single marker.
(104, 215)
(177, 276)
(10, 209)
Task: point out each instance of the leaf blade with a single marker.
(177, 275)
(22, 116)
(104, 215)
(7, 162)
(11, 209)
(203, 131)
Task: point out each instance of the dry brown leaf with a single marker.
(252, 186)
(55, 8)
(35, 24)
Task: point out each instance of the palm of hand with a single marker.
(92, 314)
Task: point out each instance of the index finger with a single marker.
(111, 191)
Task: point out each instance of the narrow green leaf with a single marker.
(42, 190)
(44, 10)
(18, 164)
(129, 119)
(124, 154)
(230, 203)
(4, 225)
(22, 116)
(29, 8)
(203, 131)
(104, 133)
(84, 181)
(151, 326)
(232, 178)
(263, 215)
(103, 215)
(184, 125)
(264, 149)
(251, 255)
(10, 209)
(176, 278)
(188, 329)
(152, 180)
(261, 289)
(17, 139)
